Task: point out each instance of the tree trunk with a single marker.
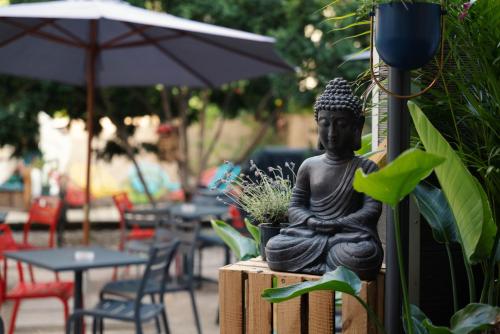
(263, 129)
(201, 140)
(215, 139)
(165, 104)
(182, 160)
(130, 154)
(211, 147)
(257, 138)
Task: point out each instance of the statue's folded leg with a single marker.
(363, 257)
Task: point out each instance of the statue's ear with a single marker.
(357, 133)
(320, 145)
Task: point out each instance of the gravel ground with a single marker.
(45, 316)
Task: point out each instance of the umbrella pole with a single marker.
(90, 78)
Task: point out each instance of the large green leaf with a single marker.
(396, 180)
(466, 197)
(340, 280)
(244, 248)
(433, 329)
(418, 318)
(254, 231)
(474, 317)
(366, 145)
(434, 207)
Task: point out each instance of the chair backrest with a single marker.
(156, 271)
(123, 204)
(7, 243)
(44, 210)
(187, 233)
(143, 218)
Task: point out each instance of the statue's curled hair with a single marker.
(338, 96)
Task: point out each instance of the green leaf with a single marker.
(254, 231)
(244, 248)
(340, 280)
(396, 180)
(474, 317)
(434, 207)
(466, 197)
(432, 329)
(366, 145)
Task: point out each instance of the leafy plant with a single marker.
(390, 185)
(244, 248)
(436, 211)
(468, 202)
(265, 198)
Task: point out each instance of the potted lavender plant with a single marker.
(265, 197)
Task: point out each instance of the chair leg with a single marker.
(164, 316)
(195, 310)
(66, 310)
(157, 321)
(13, 317)
(138, 326)
(70, 322)
(101, 325)
(94, 325)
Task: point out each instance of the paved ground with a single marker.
(46, 316)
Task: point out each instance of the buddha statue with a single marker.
(331, 224)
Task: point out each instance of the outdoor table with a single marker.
(78, 260)
(196, 212)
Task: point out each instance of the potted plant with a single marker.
(407, 32)
(265, 197)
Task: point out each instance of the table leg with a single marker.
(78, 299)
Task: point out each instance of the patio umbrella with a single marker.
(111, 43)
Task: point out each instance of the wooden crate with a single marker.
(244, 311)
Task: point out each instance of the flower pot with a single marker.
(407, 34)
(267, 231)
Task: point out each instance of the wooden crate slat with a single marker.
(321, 317)
(380, 297)
(231, 286)
(354, 316)
(288, 315)
(260, 313)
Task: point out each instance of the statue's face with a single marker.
(337, 131)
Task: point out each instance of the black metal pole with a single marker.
(398, 141)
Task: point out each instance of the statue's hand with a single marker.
(313, 223)
(329, 227)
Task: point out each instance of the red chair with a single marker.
(27, 290)
(123, 204)
(45, 210)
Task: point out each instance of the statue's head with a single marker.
(340, 118)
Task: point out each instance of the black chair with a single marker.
(135, 310)
(1, 325)
(187, 233)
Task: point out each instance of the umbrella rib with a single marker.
(240, 52)
(136, 30)
(69, 34)
(42, 34)
(143, 42)
(25, 32)
(168, 54)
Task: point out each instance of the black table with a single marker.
(197, 212)
(63, 259)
